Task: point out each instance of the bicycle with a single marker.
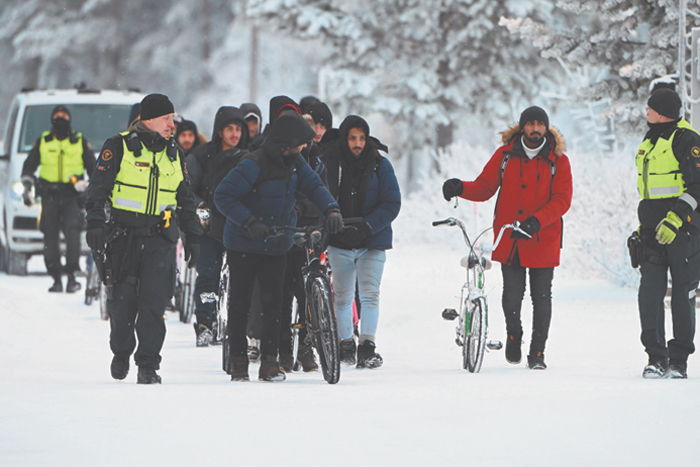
(93, 287)
(184, 286)
(321, 322)
(472, 327)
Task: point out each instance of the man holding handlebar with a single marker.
(534, 177)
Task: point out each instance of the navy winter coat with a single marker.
(265, 185)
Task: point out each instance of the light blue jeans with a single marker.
(364, 267)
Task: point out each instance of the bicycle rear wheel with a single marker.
(296, 327)
(187, 304)
(325, 327)
(475, 343)
(222, 304)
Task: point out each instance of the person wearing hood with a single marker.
(187, 135)
(668, 237)
(62, 156)
(364, 183)
(141, 174)
(323, 119)
(253, 118)
(534, 177)
(208, 164)
(258, 194)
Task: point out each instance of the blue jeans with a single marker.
(364, 267)
(208, 272)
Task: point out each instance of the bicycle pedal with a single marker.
(449, 314)
(494, 345)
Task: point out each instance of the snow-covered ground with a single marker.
(59, 405)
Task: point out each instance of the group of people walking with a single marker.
(299, 170)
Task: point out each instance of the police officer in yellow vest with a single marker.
(141, 174)
(668, 181)
(62, 156)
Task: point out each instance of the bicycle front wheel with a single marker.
(475, 343)
(187, 304)
(325, 327)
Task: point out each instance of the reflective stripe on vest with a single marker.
(60, 159)
(658, 172)
(146, 184)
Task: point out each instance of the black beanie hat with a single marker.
(321, 114)
(532, 114)
(290, 130)
(156, 105)
(666, 102)
(60, 108)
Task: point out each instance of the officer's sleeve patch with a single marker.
(695, 151)
(107, 155)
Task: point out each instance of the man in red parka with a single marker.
(534, 177)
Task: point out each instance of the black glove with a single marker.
(334, 221)
(95, 238)
(258, 230)
(27, 193)
(451, 188)
(191, 254)
(356, 234)
(530, 225)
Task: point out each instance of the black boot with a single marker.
(148, 376)
(536, 361)
(347, 351)
(367, 356)
(57, 285)
(204, 334)
(306, 358)
(72, 285)
(270, 370)
(120, 367)
(513, 352)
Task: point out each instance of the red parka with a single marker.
(528, 189)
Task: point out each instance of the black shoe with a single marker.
(306, 358)
(286, 363)
(148, 376)
(657, 368)
(72, 285)
(536, 362)
(239, 368)
(57, 286)
(513, 352)
(270, 370)
(119, 367)
(367, 356)
(678, 369)
(204, 335)
(347, 351)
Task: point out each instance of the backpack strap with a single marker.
(133, 143)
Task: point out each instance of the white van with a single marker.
(96, 114)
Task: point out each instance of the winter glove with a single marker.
(204, 215)
(451, 188)
(81, 185)
(27, 193)
(334, 221)
(95, 238)
(667, 229)
(356, 234)
(191, 254)
(530, 225)
(257, 229)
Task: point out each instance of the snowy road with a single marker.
(59, 405)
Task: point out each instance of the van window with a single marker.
(97, 122)
(10, 130)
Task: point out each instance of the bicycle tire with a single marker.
(187, 307)
(222, 304)
(295, 325)
(226, 356)
(325, 327)
(475, 342)
(92, 281)
(103, 302)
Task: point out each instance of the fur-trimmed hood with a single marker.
(559, 144)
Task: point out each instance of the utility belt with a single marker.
(644, 247)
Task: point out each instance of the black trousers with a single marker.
(293, 288)
(244, 269)
(140, 298)
(61, 213)
(682, 258)
(541, 295)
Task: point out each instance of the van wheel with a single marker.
(16, 262)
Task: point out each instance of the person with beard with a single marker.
(141, 174)
(62, 156)
(668, 182)
(364, 183)
(187, 135)
(534, 177)
(259, 193)
(208, 164)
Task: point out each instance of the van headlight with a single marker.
(17, 190)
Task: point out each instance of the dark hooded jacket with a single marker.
(263, 187)
(185, 125)
(208, 164)
(364, 186)
(247, 109)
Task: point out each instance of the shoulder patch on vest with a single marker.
(695, 151)
(641, 152)
(106, 155)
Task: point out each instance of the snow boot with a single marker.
(148, 375)
(239, 368)
(657, 368)
(536, 362)
(513, 352)
(678, 369)
(270, 370)
(119, 367)
(72, 285)
(57, 285)
(306, 358)
(286, 363)
(367, 356)
(347, 351)
(204, 335)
